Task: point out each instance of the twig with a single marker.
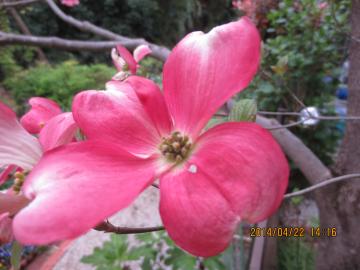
(64, 44)
(84, 26)
(311, 116)
(107, 227)
(322, 184)
(25, 30)
(287, 125)
(15, 4)
(158, 52)
(278, 113)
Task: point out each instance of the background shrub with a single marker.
(59, 83)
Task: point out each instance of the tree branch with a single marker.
(158, 52)
(322, 184)
(287, 125)
(107, 227)
(25, 30)
(64, 44)
(84, 26)
(321, 117)
(16, 4)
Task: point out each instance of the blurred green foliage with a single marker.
(295, 254)
(304, 49)
(153, 251)
(59, 83)
(8, 65)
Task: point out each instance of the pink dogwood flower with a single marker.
(19, 149)
(209, 180)
(42, 110)
(123, 60)
(70, 3)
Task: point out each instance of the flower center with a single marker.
(176, 147)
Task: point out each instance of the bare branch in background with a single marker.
(16, 4)
(322, 117)
(24, 29)
(322, 184)
(158, 52)
(288, 125)
(65, 44)
(107, 227)
(84, 26)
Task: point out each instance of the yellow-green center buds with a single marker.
(18, 181)
(176, 147)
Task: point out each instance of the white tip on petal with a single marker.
(17, 146)
(140, 52)
(120, 76)
(118, 61)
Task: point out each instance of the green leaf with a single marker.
(16, 251)
(214, 263)
(298, 199)
(243, 110)
(213, 122)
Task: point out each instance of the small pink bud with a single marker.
(323, 5)
(70, 3)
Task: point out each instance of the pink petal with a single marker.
(152, 99)
(140, 52)
(16, 145)
(118, 116)
(247, 165)
(6, 234)
(12, 203)
(59, 130)
(77, 186)
(70, 3)
(237, 172)
(127, 56)
(205, 70)
(42, 110)
(195, 214)
(4, 175)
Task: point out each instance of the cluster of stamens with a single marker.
(175, 148)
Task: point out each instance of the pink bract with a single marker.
(19, 149)
(209, 180)
(121, 57)
(42, 110)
